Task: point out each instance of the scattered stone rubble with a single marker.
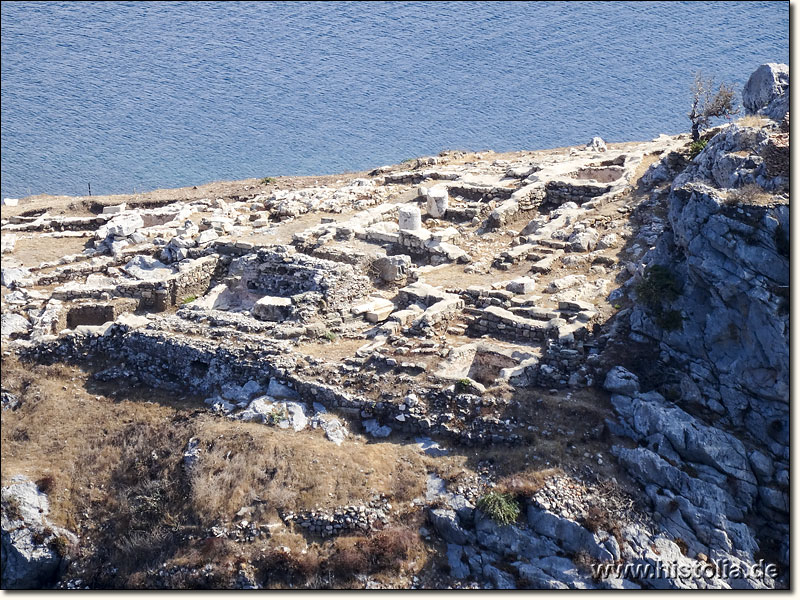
(451, 275)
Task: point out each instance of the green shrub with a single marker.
(501, 508)
(267, 180)
(696, 148)
(330, 336)
(189, 299)
(657, 285)
(464, 385)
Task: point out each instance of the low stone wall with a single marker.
(190, 365)
(159, 295)
(347, 519)
(98, 313)
(283, 272)
(525, 198)
(559, 192)
(479, 193)
(503, 323)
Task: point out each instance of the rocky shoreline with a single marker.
(593, 338)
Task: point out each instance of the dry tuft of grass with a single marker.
(525, 484)
(752, 121)
(751, 194)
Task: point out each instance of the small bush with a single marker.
(46, 484)
(289, 567)
(751, 193)
(267, 180)
(523, 486)
(390, 547)
(696, 148)
(11, 508)
(501, 508)
(464, 385)
(657, 285)
(60, 545)
(682, 546)
(330, 336)
(348, 562)
(189, 299)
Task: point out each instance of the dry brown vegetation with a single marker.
(113, 469)
(525, 484)
(750, 194)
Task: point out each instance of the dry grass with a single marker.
(751, 194)
(525, 484)
(386, 550)
(752, 121)
(113, 470)
(242, 463)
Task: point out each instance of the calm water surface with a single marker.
(144, 95)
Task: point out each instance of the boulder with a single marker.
(521, 285)
(272, 308)
(147, 268)
(610, 240)
(373, 428)
(510, 539)
(446, 524)
(15, 276)
(568, 534)
(115, 209)
(280, 391)
(8, 242)
(458, 569)
(14, 324)
(621, 381)
(297, 415)
(192, 453)
(31, 545)
(393, 268)
(596, 144)
(500, 579)
(259, 410)
(334, 430)
(125, 224)
(767, 91)
(584, 241)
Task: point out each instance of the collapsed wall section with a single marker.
(281, 271)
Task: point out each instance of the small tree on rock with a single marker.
(707, 104)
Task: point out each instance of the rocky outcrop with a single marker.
(730, 340)
(33, 549)
(767, 91)
(704, 485)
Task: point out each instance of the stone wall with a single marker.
(503, 323)
(193, 280)
(281, 271)
(197, 366)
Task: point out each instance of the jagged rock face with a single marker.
(30, 551)
(767, 91)
(733, 264)
(731, 159)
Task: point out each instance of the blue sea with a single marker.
(137, 96)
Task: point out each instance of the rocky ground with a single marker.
(472, 370)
